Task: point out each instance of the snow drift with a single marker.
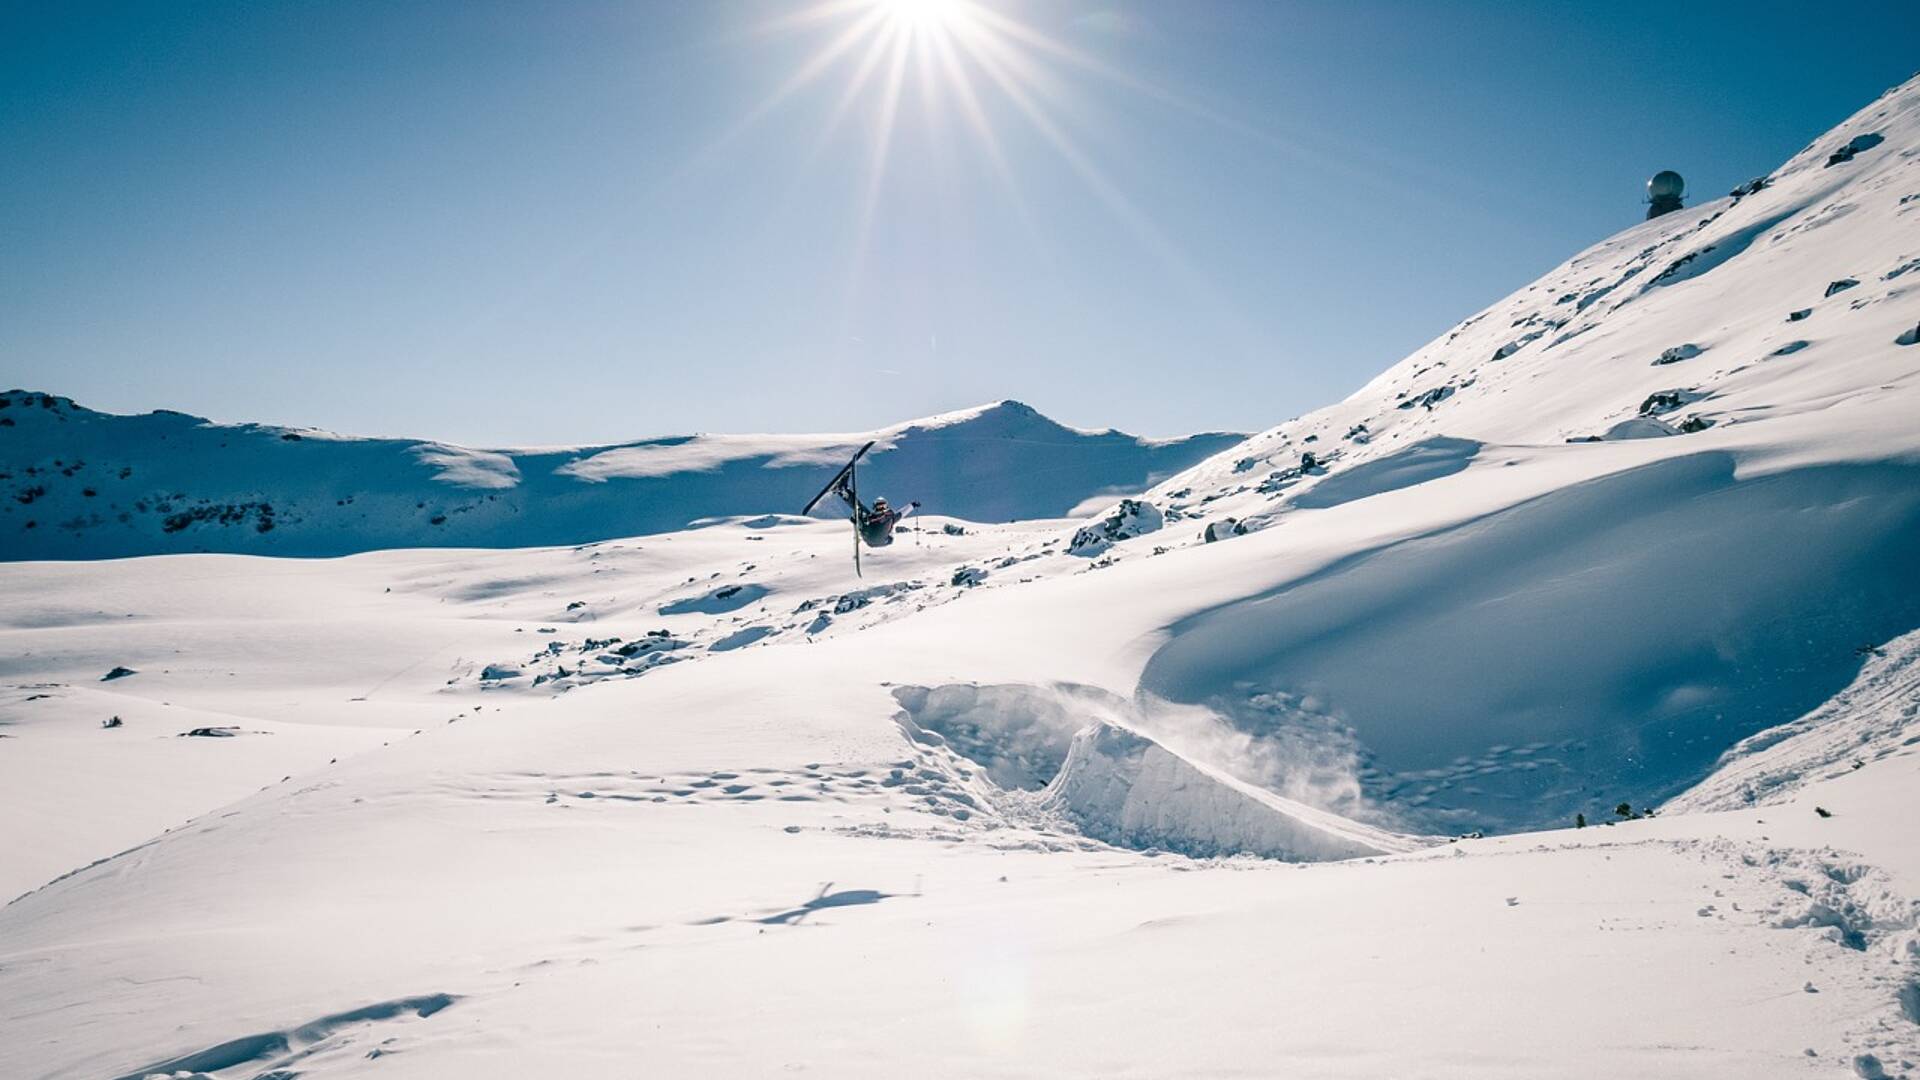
(1602, 643)
(1086, 757)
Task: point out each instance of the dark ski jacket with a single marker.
(877, 528)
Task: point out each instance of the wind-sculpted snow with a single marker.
(1599, 644)
(1018, 735)
(1090, 758)
(1417, 464)
(1126, 789)
(1874, 718)
(84, 484)
(308, 1045)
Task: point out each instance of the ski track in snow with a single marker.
(1162, 791)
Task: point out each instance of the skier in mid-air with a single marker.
(875, 523)
(871, 526)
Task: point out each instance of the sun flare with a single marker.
(976, 66)
(963, 58)
(926, 15)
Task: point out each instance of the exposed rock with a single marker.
(1677, 354)
(1666, 401)
(1428, 399)
(654, 642)
(1904, 268)
(860, 598)
(1854, 147)
(1220, 530)
(1133, 517)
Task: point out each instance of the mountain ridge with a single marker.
(89, 484)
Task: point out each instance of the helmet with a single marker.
(880, 503)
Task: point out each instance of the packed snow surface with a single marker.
(1546, 709)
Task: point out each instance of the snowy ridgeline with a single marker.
(1627, 566)
(1660, 501)
(84, 484)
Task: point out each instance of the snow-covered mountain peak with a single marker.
(87, 484)
(1732, 322)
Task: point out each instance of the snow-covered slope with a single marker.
(1571, 551)
(1156, 792)
(81, 484)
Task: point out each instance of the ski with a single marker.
(853, 495)
(835, 482)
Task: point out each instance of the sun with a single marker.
(955, 55)
(974, 65)
(923, 16)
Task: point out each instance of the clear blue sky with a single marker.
(502, 223)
